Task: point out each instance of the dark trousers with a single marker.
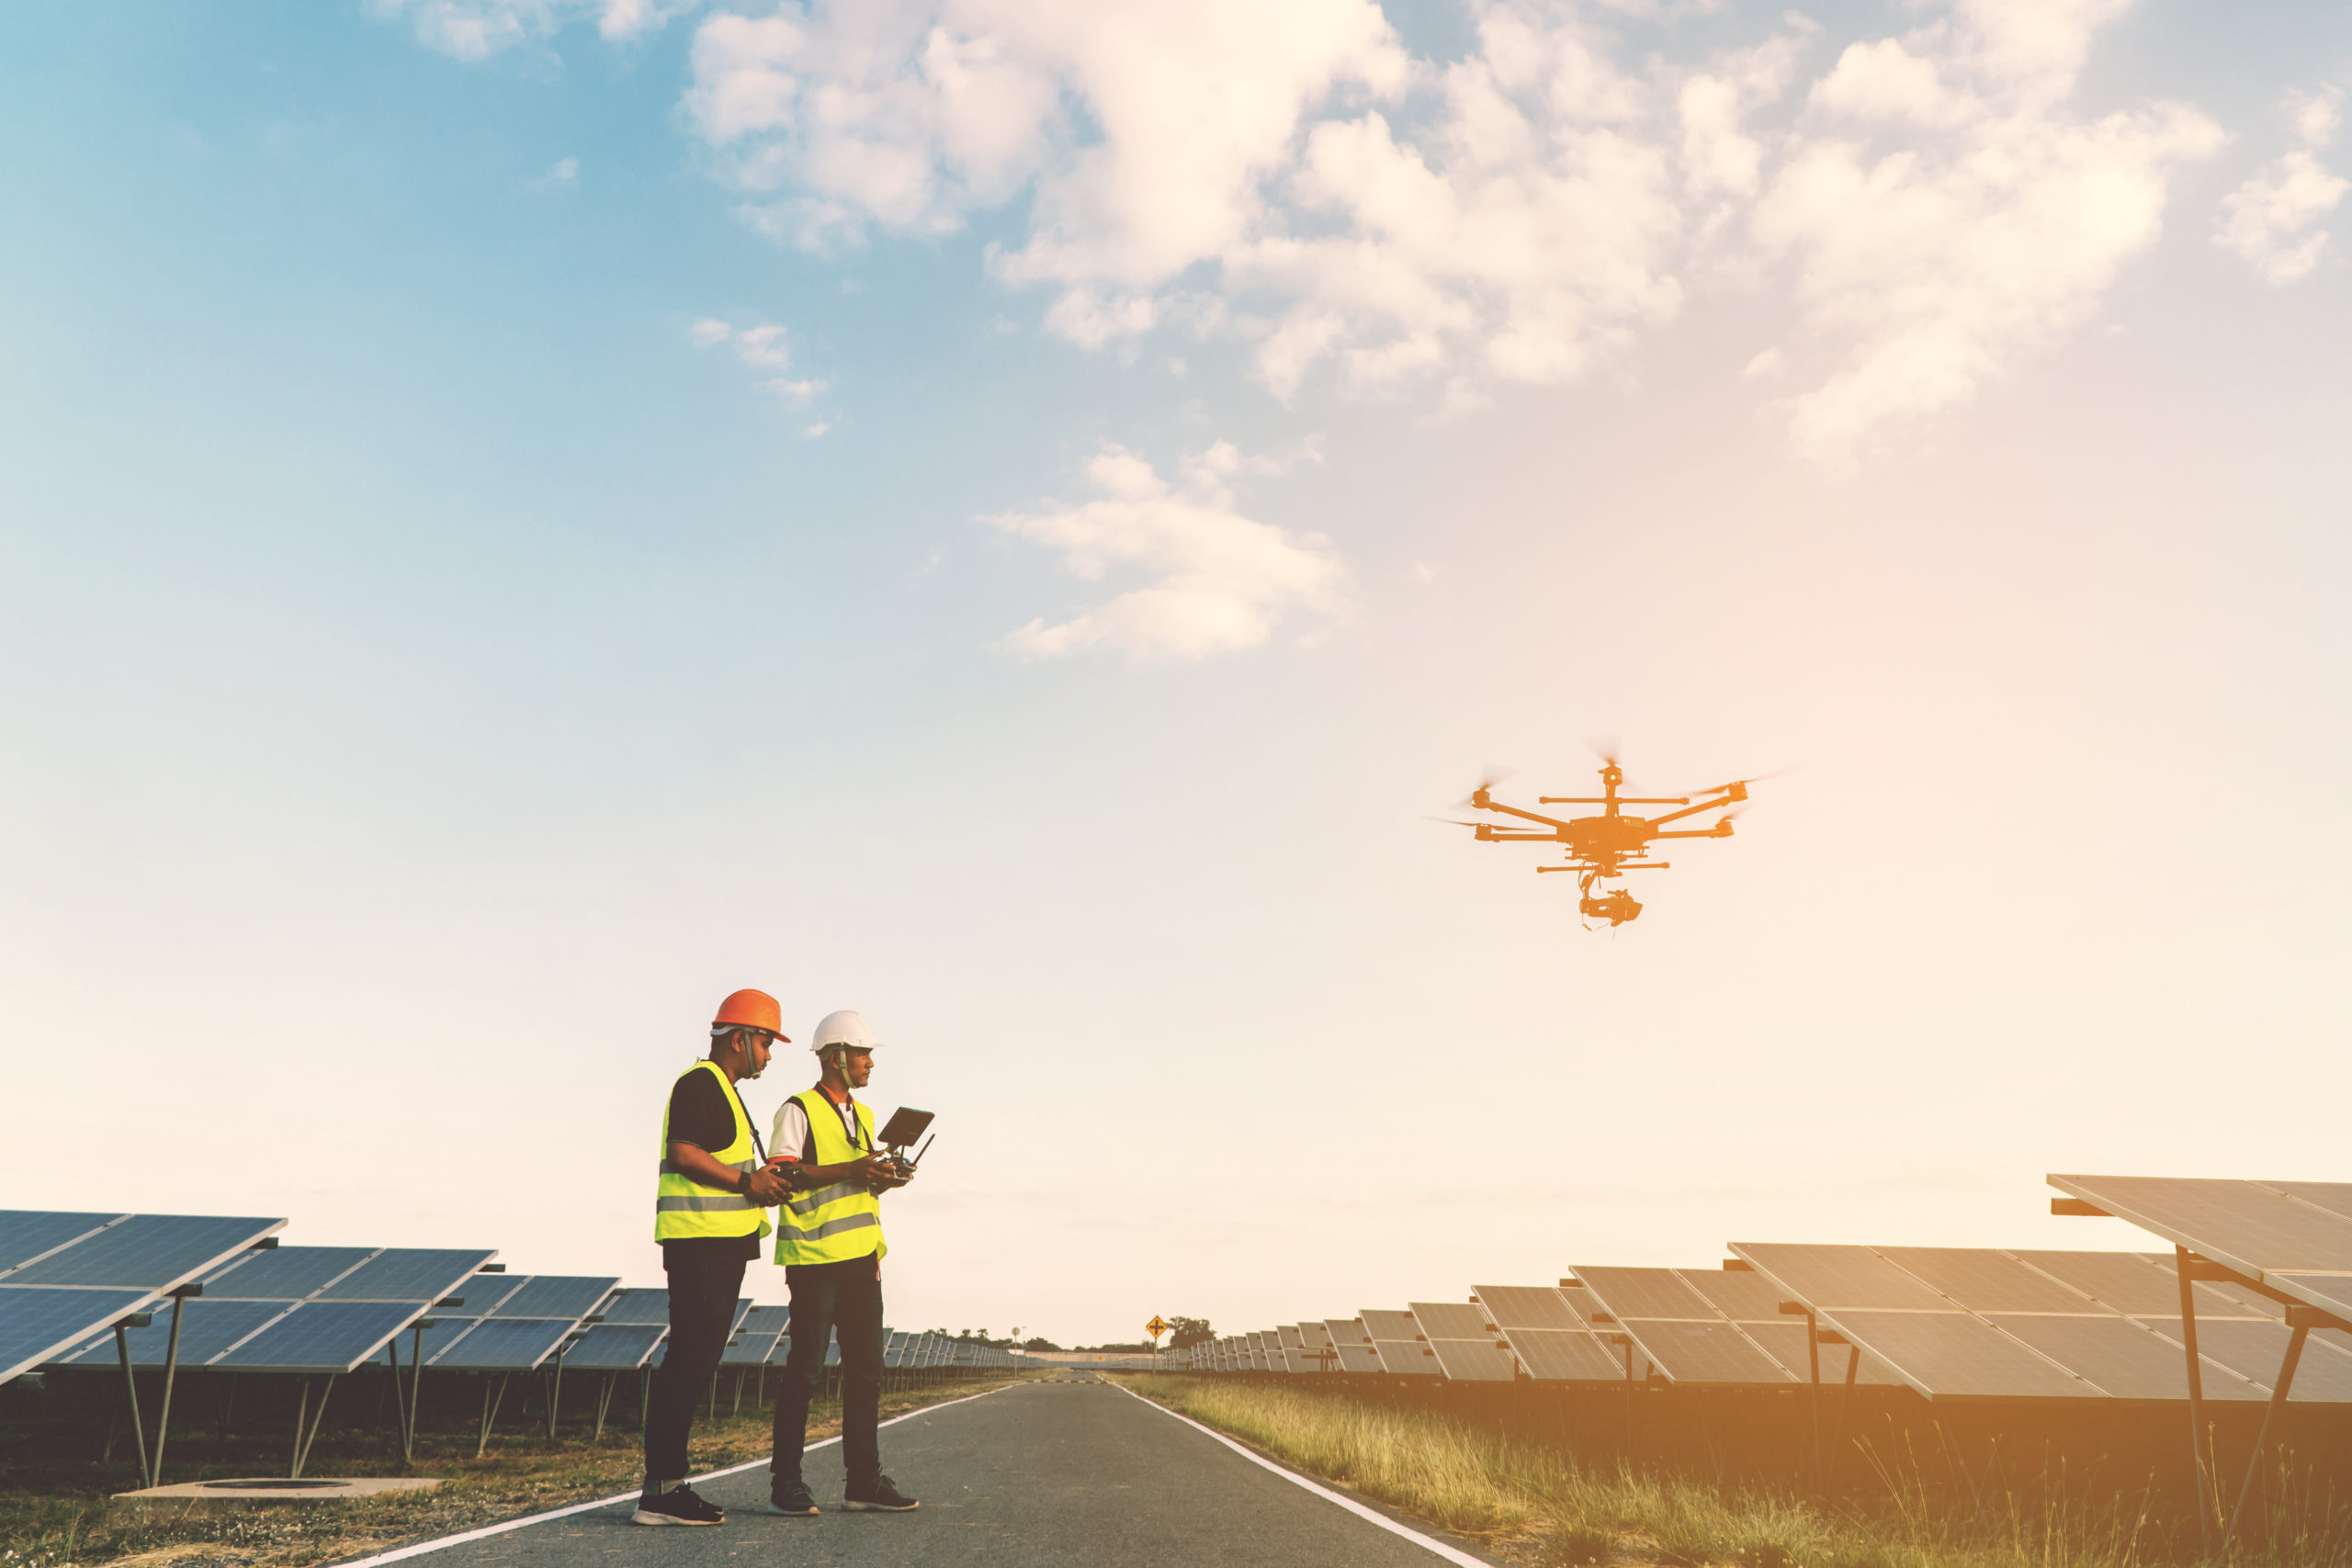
(704, 1283)
(828, 1296)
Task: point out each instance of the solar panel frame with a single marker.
(568, 1296)
(39, 1324)
(151, 1252)
(322, 1336)
(1388, 1323)
(1449, 1320)
(1409, 1358)
(27, 1235)
(1558, 1354)
(1347, 1331)
(1529, 1306)
(2260, 1229)
(424, 1274)
(145, 1257)
(615, 1347)
(506, 1344)
(1364, 1357)
(640, 1304)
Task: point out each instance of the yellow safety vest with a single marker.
(835, 1223)
(684, 1209)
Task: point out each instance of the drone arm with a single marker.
(1720, 831)
(1530, 816)
(1692, 810)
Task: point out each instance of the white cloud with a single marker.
(565, 173)
(475, 29)
(1932, 206)
(1218, 581)
(1943, 213)
(763, 348)
(2270, 219)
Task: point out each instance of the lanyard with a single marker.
(857, 1139)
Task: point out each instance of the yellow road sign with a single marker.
(1155, 1327)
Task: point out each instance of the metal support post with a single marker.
(1845, 1403)
(2180, 1258)
(604, 1403)
(555, 1395)
(415, 1389)
(2262, 1434)
(490, 1381)
(130, 1390)
(302, 1440)
(171, 1373)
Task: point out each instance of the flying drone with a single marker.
(1601, 849)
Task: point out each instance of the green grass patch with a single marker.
(1539, 1505)
(56, 1510)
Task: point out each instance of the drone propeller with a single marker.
(1737, 788)
(1491, 776)
(1604, 746)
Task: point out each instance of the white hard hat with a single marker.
(844, 1028)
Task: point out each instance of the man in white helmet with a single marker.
(829, 1238)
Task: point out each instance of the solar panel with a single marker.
(640, 1305)
(1527, 1306)
(1289, 1336)
(1681, 1334)
(1984, 1281)
(1316, 1333)
(1556, 1355)
(1743, 1296)
(506, 1344)
(1834, 1278)
(615, 1347)
(1296, 1360)
(321, 1337)
(1408, 1358)
(37, 1324)
(2127, 1360)
(2293, 1236)
(1347, 1331)
(1359, 1358)
(408, 1274)
(2127, 1281)
(283, 1274)
(113, 1258)
(1449, 1320)
(27, 1233)
(154, 1252)
(569, 1296)
(1383, 1323)
(207, 1328)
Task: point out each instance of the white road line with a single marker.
(422, 1547)
(1429, 1543)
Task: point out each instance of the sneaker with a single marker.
(791, 1497)
(678, 1506)
(878, 1496)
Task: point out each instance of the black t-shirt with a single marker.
(702, 1113)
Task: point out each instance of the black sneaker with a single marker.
(791, 1497)
(877, 1496)
(678, 1506)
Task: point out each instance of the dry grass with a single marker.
(1537, 1505)
(55, 1511)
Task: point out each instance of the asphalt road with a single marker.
(1048, 1473)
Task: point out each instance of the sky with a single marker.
(519, 517)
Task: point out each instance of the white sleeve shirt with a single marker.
(789, 1134)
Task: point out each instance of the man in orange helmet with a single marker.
(708, 1214)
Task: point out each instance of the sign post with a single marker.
(1156, 1327)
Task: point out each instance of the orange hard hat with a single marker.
(751, 1010)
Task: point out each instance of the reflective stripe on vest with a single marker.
(835, 1223)
(685, 1210)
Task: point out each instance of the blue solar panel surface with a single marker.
(615, 1347)
(408, 1274)
(504, 1345)
(321, 1337)
(283, 1274)
(151, 1252)
(571, 1296)
(26, 1234)
(443, 1333)
(36, 1324)
(207, 1328)
(641, 1306)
